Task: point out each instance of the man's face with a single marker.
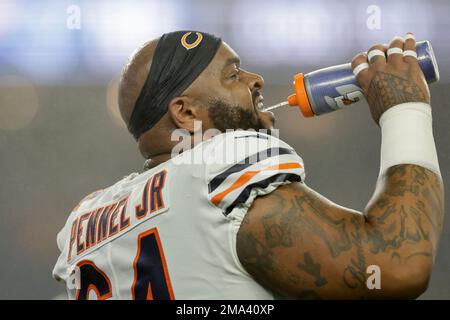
(232, 95)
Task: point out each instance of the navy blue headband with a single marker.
(180, 57)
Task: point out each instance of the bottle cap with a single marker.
(300, 97)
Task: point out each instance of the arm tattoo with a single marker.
(387, 90)
(354, 275)
(396, 223)
(312, 268)
(407, 214)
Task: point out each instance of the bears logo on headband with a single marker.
(192, 45)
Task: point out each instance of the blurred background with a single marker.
(61, 136)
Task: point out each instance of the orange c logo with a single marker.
(192, 45)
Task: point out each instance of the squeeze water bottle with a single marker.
(334, 88)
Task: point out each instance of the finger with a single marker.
(377, 55)
(395, 51)
(409, 49)
(360, 68)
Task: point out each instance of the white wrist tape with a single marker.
(407, 137)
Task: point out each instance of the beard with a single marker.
(226, 116)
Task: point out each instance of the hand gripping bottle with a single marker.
(334, 88)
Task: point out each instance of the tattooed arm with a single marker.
(300, 244)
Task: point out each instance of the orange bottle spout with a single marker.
(292, 100)
(300, 97)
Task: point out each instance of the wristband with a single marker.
(407, 137)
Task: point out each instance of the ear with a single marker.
(184, 113)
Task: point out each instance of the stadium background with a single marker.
(61, 137)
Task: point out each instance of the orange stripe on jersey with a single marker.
(244, 178)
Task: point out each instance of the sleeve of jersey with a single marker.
(243, 165)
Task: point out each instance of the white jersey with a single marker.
(170, 232)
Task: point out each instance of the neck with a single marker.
(156, 160)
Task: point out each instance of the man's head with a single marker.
(223, 96)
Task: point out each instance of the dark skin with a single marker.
(296, 242)
(223, 79)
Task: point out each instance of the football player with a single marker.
(230, 216)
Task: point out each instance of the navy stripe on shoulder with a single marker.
(257, 135)
(254, 158)
(243, 196)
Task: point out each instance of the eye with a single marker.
(235, 74)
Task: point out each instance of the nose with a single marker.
(255, 82)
